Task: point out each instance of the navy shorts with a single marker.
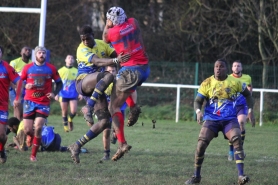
(223, 126)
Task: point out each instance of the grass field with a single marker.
(164, 155)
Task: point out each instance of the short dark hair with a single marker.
(237, 61)
(222, 60)
(86, 29)
(13, 121)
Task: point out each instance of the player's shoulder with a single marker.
(16, 60)
(101, 42)
(50, 65)
(246, 76)
(208, 81)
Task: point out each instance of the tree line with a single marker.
(173, 30)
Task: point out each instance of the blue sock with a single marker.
(239, 164)
(87, 137)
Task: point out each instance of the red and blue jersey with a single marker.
(7, 75)
(41, 78)
(125, 38)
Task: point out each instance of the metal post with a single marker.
(261, 107)
(42, 22)
(195, 83)
(178, 103)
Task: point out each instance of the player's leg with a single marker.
(3, 138)
(233, 133)
(38, 124)
(94, 85)
(64, 103)
(18, 111)
(73, 109)
(117, 100)
(41, 114)
(103, 115)
(241, 117)
(207, 133)
(135, 109)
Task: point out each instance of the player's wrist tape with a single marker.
(115, 60)
(249, 110)
(197, 111)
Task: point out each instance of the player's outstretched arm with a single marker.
(110, 61)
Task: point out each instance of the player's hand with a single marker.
(29, 86)
(57, 97)
(199, 118)
(123, 57)
(252, 118)
(50, 95)
(80, 97)
(109, 23)
(16, 103)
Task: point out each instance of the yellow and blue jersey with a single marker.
(18, 64)
(20, 127)
(221, 97)
(84, 55)
(245, 79)
(68, 76)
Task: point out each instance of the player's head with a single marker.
(87, 36)
(69, 60)
(40, 54)
(1, 52)
(237, 67)
(112, 69)
(220, 68)
(13, 124)
(26, 52)
(116, 15)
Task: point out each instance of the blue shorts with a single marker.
(129, 77)
(223, 126)
(241, 109)
(31, 108)
(4, 117)
(62, 99)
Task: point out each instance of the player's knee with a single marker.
(202, 145)
(106, 76)
(236, 141)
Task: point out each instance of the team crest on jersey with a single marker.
(102, 54)
(228, 90)
(2, 75)
(39, 81)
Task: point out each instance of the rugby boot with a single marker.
(33, 158)
(74, 150)
(243, 179)
(105, 157)
(70, 125)
(66, 129)
(3, 157)
(193, 180)
(121, 151)
(88, 114)
(29, 141)
(133, 115)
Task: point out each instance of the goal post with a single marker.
(41, 11)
